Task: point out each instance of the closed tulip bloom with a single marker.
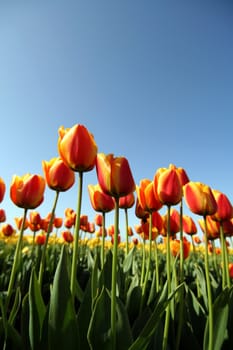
(140, 212)
(67, 236)
(126, 202)
(58, 176)
(174, 222)
(114, 175)
(40, 239)
(168, 186)
(57, 222)
(2, 215)
(213, 227)
(77, 148)
(189, 225)
(224, 207)
(183, 177)
(7, 230)
(175, 247)
(157, 222)
(2, 189)
(27, 191)
(99, 220)
(19, 221)
(148, 198)
(100, 201)
(199, 198)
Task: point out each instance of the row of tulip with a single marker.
(78, 153)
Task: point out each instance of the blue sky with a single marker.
(152, 80)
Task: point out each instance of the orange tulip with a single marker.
(126, 202)
(19, 221)
(175, 247)
(224, 207)
(114, 175)
(99, 220)
(58, 175)
(168, 186)
(174, 222)
(199, 198)
(230, 266)
(67, 236)
(183, 177)
(2, 215)
(147, 196)
(7, 230)
(27, 191)
(213, 227)
(189, 225)
(140, 212)
(2, 189)
(77, 148)
(100, 201)
(57, 222)
(40, 239)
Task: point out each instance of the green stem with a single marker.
(143, 260)
(76, 237)
(16, 258)
(148, 264)
(209, 292)
(103, 241)
(168, 256)
(156, 266)
(225, 258)
(114, 275)
(126, 231)
(193, 245)
(181, 304)
(43, 257)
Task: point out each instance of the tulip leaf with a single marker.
(99, 332)
(128, 261)
(63, 328)
(220, 312)
(13, 340)
(37, 312)
(15, 307)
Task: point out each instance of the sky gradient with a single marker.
(152, 80)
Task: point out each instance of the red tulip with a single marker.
(7, 230)
(175, 247)
(126, 202)
(168, 186)
(27, 191)
(199, 198)
(2, 215)
(147, 196)
(100, 201)
(58, 175)
(189, 225)
(2, 189)
(114, 175)
(77, 148)
(224, 207)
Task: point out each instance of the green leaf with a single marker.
(124, 335)
(37, 312)
(220, 312)
(128, 260)
(63, 328)
(99, 332)
(15, 307)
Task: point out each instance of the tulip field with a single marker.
(68, 283)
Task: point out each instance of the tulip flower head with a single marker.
(27, 191)
(2, 189)
(199, 198)
(224, 207)
(58, 175)
(77, 148)
(114, 175)
(100, 201)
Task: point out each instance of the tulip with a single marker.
(7, 230)
(40, 239)
(168, 186)
(100, 201)
(27, 191)
(58, 175)
(175, 248)
(57, 222)
(67, 236)
(99, 220)
(2, 189)
(115, 178)
(114, 175)
(199, 198)
(2, 215)
(189, 225)
(77, 148)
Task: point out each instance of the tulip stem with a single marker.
(209, 293)
(181, 305)
(148, 264)
(114, 275)
(225, 259)
(156, 265)
(143, 260)
(168, 256)
(43, 257)
(76, 237)
(126, 231)
(103, 240)
(16, 258)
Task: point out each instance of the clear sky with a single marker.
(152, 80)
